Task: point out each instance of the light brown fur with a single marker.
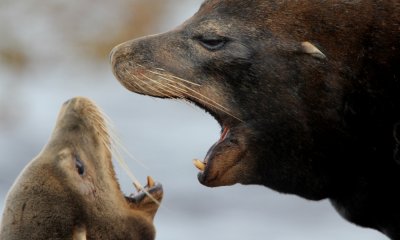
(69, 191)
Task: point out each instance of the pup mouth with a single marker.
(152, 190)
(147, 198)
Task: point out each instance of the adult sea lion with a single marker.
(307, 94)
(69, 191)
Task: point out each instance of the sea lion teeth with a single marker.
(199, 164)
(137, 186)
(150, 182)
(309, 48)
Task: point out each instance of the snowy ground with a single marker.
(166, 136)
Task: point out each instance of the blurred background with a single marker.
(52, 50)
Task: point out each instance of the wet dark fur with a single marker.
(315, 127)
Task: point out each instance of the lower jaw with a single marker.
(204, 165)
(229, 149)
(218, 178)
(203, 179)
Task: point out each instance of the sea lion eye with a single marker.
(79, 166)
(212, 43)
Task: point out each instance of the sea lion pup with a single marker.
(307, 94)
(69, 191)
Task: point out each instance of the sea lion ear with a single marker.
(396, 150)
(309, 48)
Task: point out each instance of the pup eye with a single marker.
(79, 166)
(212, 43)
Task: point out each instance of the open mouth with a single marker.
(202, 165)
(147, 198)
(222, 159)
(151, 190)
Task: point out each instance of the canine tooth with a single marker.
(309, 48)
(199, 164)
(150, 182)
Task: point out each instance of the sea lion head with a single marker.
(230, 60)
(70, 189)
(272, 75)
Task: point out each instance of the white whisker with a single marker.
(206, 99)
(111, 142)
(117, 156)
(170, 89)
(136, 85)
(165, 88)
(173, 88)
(178, 78)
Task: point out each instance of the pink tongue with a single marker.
(224, 134)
